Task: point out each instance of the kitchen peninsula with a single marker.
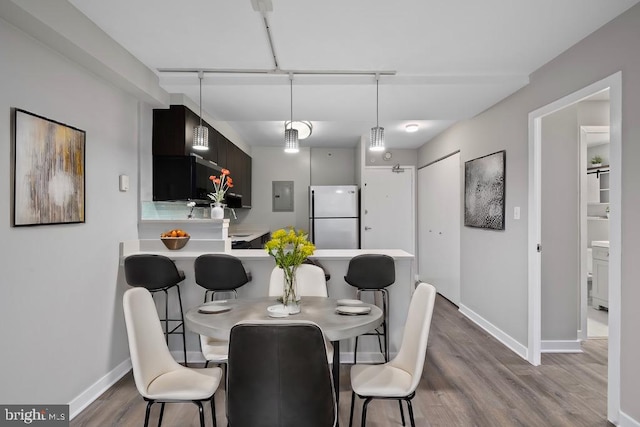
(260, 264)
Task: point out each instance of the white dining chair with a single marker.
(398, 379)
(311, 282)
(158, 377)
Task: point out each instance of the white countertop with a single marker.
(195, 248)
(184, 221)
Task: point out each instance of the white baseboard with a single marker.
(560, 346)
(496, 332)
(627, 421)
(94, 391)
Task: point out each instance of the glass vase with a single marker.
(290, 291)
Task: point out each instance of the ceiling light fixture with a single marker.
(412, 127)
(291, 135)
(303, 127)
(200, 133)
(377, 133)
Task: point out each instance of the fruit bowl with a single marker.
(175, 239)
(174, 243)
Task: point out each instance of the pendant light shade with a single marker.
(377, 133)
(377, 139)
(291, 141)
(291, 144)
(200, 133)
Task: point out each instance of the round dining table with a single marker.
(319, 310)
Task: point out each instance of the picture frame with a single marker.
(484, 191)
(48, 171)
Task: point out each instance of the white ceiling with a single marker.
(452, 58)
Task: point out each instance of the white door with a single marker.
(388, 209)
(439, 195)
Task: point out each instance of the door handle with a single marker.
(367, 228)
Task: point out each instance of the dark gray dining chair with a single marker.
(279, 376)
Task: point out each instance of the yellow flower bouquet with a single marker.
(290, 248)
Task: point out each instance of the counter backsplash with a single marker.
(172, 210)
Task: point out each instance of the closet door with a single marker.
(439, 195)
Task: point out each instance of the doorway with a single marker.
(614, 84)
(594, 227)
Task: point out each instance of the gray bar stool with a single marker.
(373, 273)
(158, 273)
(218, 273)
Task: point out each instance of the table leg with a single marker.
(336, 373)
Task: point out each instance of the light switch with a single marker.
(516, 212)
(124, 182)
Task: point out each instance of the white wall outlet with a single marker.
(516, 212)
(124, 182)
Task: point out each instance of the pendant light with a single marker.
(377, 133)
(291, 135)
(304, 128)
(200, 133)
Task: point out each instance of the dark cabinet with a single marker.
(173, 136)
(246, 180)
(173, 133)
(239, 164)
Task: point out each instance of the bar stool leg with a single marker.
(184, 340)
(385, 305)
(166, 315)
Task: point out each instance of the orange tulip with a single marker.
(229, 180)
(225, 172)
(230, 185)
(211, 178)
(217, 181)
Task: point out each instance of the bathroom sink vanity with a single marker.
(600, 280)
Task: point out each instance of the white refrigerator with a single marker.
(334, 216)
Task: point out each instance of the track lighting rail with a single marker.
(278, 71)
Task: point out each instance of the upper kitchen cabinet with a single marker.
(173, 133)
(239, 164)
(173, 136)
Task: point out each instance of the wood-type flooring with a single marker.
(469, 379)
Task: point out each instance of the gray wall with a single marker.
(61, 317)
(333, 166)
(494, 264)
(405, 157)
(273, 164)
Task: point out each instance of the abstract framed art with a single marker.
(484, 191)
(49, 171)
